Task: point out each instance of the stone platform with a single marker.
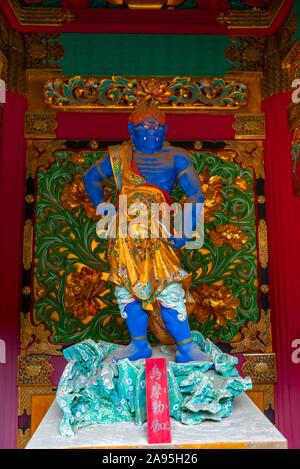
(247, 427)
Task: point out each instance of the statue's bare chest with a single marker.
(159, 165)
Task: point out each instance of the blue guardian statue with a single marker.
(151, 288)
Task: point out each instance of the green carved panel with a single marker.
(71, 295)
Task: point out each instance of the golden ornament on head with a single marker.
(82, 293)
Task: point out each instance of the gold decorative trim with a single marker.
(40, 125)
(291, 63)
(122, 93)
(251, 19)
(40, 153)
(263, 244)
(236, 19)
(23, 437)
(277, 56)
(235, 92)
(282, 58)
(261, 199)
(250, 126)
(146, 4)
(35, 79)
(246, 53)
(27, 244)
(293, 116)
(260, 367)
(255, 336)
(43, 51)
(40, 16)
(26, 393)
(26, 290)
(12, 57)
(248, 154)
(268, 393)
(34, 371)
(29, 198)
(35, 340)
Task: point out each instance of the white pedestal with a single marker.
(247, 427)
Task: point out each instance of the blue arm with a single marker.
(93, 178)
(190, 183)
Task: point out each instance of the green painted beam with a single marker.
(144, 54)
(297, 11)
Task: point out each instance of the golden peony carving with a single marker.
(211, 187)
(83, 291)
(74, 194)
(215, 301)
(154, 89)
(229, 234)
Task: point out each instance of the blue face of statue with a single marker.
(148, 135)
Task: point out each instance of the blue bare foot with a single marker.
(133, 352)
(191, 352)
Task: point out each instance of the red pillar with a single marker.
(283, 219)
(12, 183)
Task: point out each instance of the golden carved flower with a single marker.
(40, 291)
(83, 291)
(261, 367)
(155, 89)
(74, 196)
(77, 158)
(215, 302)
(40, 124)
(33, 370)
(241, 184)
(229, 234)
(211, 187)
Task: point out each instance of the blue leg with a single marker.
(137, 323)
(187, 350)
